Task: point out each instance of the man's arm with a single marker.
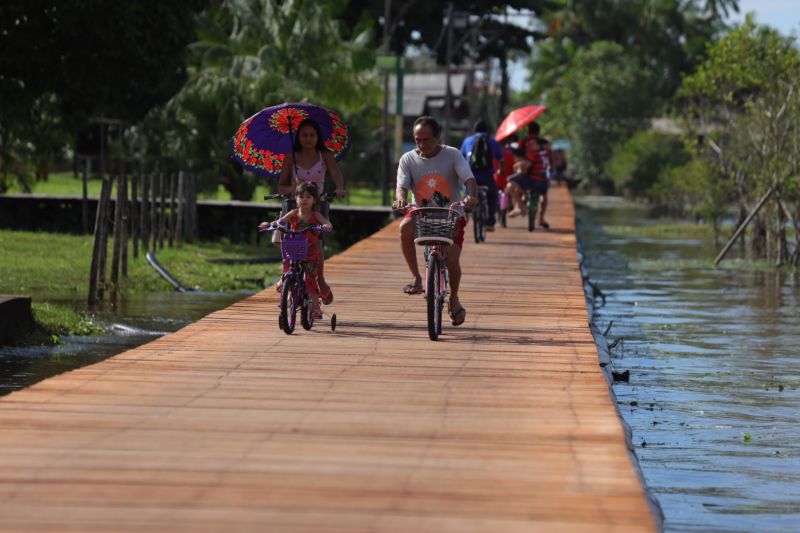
(403, 184)
(400, 198)
(471, 199)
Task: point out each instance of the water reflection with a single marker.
(138, 319)
(714, 354)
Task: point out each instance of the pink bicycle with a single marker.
(295, 281)
(435, 228)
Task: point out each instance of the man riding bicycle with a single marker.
(432, 168)
(481, 151)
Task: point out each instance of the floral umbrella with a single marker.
(262, 141)
(517, 119)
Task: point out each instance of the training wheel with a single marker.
(280, 322)
(333, 322)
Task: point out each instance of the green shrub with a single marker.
(637, 163)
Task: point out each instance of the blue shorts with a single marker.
(528, 184)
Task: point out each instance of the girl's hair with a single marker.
(425, 120)
(310, 187)
(320, 141)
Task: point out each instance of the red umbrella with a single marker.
(517, 119)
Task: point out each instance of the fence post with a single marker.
(162, 212)
(135, 208)
(173, 216)
(153, 213)
(85, 196)
(117, 249)
(97, 253)
(126, 223)
(181, 214)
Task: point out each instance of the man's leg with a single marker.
(543, 208)
(457, 311)
(454, 271)
(410, 251)
(515, 195)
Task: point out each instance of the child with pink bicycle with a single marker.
(304, 216)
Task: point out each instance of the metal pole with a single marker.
(387, 15)
(448, 58)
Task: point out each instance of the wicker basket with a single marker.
(294, 247)
(435, 225)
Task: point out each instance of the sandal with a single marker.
(458, 316)
(544, 224)
(415, 287)
(316, 312)
(326, 296)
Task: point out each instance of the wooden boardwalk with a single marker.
(505, 424)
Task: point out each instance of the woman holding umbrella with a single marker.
(298, 142)
(309, 160)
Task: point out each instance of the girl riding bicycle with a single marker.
(306, 214)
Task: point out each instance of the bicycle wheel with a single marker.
(533, 204)
(477, 223)
(434, 298)
(501, 210)
(305, 313)
(288, 305)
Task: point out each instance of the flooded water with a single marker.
(138, 319)
(713, 399)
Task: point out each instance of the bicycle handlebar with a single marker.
(324, 197)
(413, 207)
(274, 226)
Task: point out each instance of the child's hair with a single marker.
(320, 141)
(310, 187)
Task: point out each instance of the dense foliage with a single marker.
(745, 100)
(63, 63)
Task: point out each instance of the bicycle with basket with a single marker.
(435, 228)
(295, 282)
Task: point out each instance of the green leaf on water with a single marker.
(747, 437)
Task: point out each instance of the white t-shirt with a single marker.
(446, 172)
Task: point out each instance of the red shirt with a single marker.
(504, 170)
(538, 151)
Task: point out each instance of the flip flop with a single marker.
(415, 287)
(457, 317)
(326, 297)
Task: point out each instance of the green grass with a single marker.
(65, 184)
(34, 263)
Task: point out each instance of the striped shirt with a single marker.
(541, 157)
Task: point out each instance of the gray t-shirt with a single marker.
(446, 172)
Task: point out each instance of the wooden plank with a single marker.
(505, 424)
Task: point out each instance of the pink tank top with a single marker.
(314, 174)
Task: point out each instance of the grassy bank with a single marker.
(44, 265)
(65, 184)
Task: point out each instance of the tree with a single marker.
(601, 100)
(64, 62)
(667, 37)
(252, 54)
(748, 94)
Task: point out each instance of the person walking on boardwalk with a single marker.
(481, 151)
(434, 171)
